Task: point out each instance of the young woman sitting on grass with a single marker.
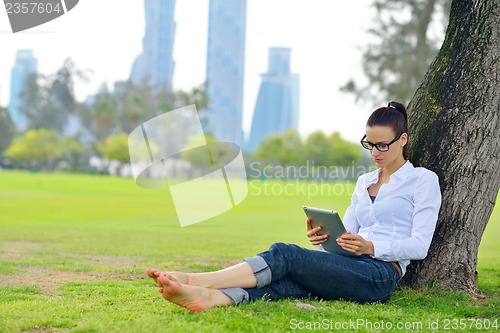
(390, 221)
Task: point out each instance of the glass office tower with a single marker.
(155, 65)
(277, 107)
(26, 64)
(225, 70)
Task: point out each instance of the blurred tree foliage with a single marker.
(318, 148)
(282, 149)
(41, 148)
(50, 100)
(7, 129)
(129, 105)
(101, 121)
(99, 116)
(115, 147)
(407, 37)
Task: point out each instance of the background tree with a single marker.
(342, 152)
(282, 149)
(99, 117)
(270, 149)
(73, 154)
(39, 148)
(454, 130)
(115, 147)
(7, 129)
(331, 150)
(138, 103)
(196, 96)
(319, 148)
(50, 100)
(402, 49)
(129, 104)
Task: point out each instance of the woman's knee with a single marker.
(284, 248)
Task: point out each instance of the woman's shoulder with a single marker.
(425, 174)
(423, 171)
(426, 183)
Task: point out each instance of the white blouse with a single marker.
(401, 220)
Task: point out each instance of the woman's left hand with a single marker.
(355, 244)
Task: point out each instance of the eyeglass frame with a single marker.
(376, 144)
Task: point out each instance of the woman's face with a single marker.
(384, 134)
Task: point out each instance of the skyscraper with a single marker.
(277, 106)
(26, 64)
(225, 69)
(155, 65)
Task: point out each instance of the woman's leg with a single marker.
(328, 275)
(291, 271)
(238, 276)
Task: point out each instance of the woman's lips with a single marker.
(378, 160)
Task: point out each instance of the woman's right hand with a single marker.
(314, 238)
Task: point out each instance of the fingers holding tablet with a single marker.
(320, 224)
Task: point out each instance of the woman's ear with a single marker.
(404, 139)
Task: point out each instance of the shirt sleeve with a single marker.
(427, 201)
(319, 247)
(350, 220)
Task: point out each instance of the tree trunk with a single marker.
(454, 131)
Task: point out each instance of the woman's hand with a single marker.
(355, 244)
(314, 238)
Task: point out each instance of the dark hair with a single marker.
(394, 116)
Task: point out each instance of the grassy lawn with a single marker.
(73, 249)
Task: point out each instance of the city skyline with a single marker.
(109, 46)
(276, 106)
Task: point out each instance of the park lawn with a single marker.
(73, 250)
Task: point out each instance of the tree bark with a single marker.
(454, 131)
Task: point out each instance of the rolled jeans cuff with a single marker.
(238, 295)
(260, 269)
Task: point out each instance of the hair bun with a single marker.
(399, 107)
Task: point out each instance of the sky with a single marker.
(105, 36)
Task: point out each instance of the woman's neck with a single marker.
(388, 170)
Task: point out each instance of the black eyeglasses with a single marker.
(380, 146)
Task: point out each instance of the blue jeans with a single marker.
(290, 271)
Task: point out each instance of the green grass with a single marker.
(73, 249)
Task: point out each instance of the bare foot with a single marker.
(193, 298)
(184, 278)
(151, 272)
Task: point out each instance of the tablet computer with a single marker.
(331, 224)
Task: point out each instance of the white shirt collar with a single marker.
(401, 174)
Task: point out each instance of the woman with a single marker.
(390, 221)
